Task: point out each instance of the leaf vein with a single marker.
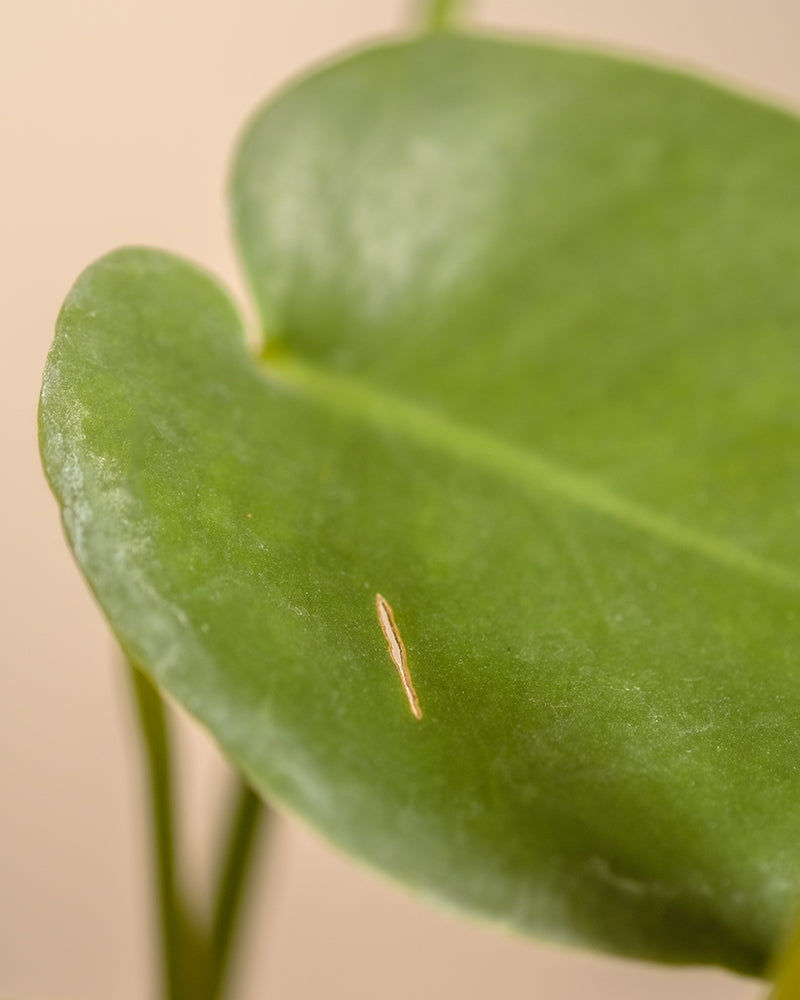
(351, 397)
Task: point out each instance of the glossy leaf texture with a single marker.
(531, 373)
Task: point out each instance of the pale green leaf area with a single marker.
(531, 372)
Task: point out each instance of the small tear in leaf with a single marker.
(397, 651)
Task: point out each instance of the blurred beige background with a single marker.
(116, 125)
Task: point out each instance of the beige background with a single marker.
(116, 123)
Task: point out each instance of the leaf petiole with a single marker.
(157, 746)
(787, 976)
(248, 815)
(440, 15)
(195, 952)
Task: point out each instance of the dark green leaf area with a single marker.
(609, 251)
(608, 749)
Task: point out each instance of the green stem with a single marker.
(195, 954)
(440, 15)
(157, 749)
(248, 814)
(787, 980)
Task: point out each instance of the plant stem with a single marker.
(440, 15)
(157, 749)
(248, 814)
(195, 954)
(787, 980)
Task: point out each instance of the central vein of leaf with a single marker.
(353, 398)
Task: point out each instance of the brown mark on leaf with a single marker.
(397, 651)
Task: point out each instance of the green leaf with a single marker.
(530, 373)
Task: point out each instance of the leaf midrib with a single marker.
(354, 398)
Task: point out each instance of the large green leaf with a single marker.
(531, 373)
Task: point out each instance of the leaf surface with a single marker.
(531, 368)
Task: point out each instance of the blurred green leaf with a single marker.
(531, 372)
